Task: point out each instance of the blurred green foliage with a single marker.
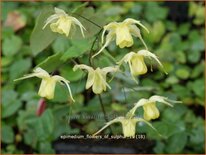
(179, 46)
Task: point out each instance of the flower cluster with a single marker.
(150, 112)
(123, 33)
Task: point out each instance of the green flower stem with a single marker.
(106, 53)
(88, 20)
(91, 62)
(103, 110)
(91, 49)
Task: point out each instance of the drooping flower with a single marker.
(61, 22)
(123, 32)
(128, 125)
(150, 112)
(48, 83)
(149, 106)
(96, 77)
(136, 61)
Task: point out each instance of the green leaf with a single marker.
(19, 67)
(183, 73)
(5, 61)
(40, 39)
(52, 62)
(25, 86)
(172, 80)
(166, 129)
(198, 70)
(181, 56)
(197, 136)
(171, 26)
(176, 143)
(194, 56)
(61, 116)
(181, 91)
(25, 118)
(80, 7)
(8, 96)
(91, 127)
(157, 31)
(47, 121)
(183, 29)
(7, 32)
(198, 87)
(68, 73)
(192, 8)
(61, 44)
(159, 148)
(178, 109)
(136, 9)
(44, 125)
(77, 49)
(7, 134)
(61, 94)
(115, 10)
(200, 16)
(118, 107)
(154, 12)
(10, 104)
(198, 45)
(45, 147)
(11, 45)
(11, 108)
(29, 138)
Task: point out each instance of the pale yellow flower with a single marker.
(149, 106)
(96, 77)
(150, 112)
(136, 61)
(128, 125)
(61, 22)
(48, 83)
(123, 32)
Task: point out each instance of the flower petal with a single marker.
(62, 26)
(58, 14)
(59, 79)
(110, 37)
(126, 58)
(163, 99)
(150, 111)
(50, 19)
(118, 119)
(60, 11)
(110, 69)
(129, 126)
(99, 82)
(38, 72)
(103, 77)
(109, 27)
(47, 88)
(123, 36)
(149, 124)
(140, 103)
(90, 79)
(134, 30)
(130, 21)
(137, 65)
(146, 53)
(82, 66)
(77, 22)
